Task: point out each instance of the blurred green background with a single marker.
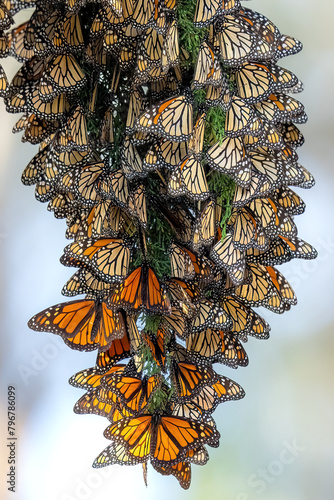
(277, 443)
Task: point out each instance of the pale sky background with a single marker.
(289, 381)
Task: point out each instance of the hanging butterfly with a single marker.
(186, 264)
(84, 324)
(206, 11)
(162, 438)
(135, 393)
(245, 321)
(230, 157)
(171, 119)
(256, 81)
(207, 70)
(90, 379)
(216, 346)
(156, 344)
(141, 290)
(188, 378)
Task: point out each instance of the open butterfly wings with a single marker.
(168, 139)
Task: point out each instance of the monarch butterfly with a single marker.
(156, 344)
(224, 389)
(65, 74)
(96, 54)
(44, 191)
(134, 393)
(195, 143)
(235, 41)
(256, 81)
(188, 378)
(64, 33)
(241, 119)
(116, 454)
(282, 250)
(292, 136)
(287, 46)
(219, 96)
(141, 290)
(272, 218)
(165, 154)
(118, 350)
(116, 187)
(107, 258)
(90, 379)
(35, 129)
(299, 176)
(179, 219)
(190, 290)
(206, 11)
(181, 471)
(189, 179)
(261, 185)
(72, 158)
(170, 49)
(209, 315)
(171, 119)
(136, 105)
(4, 44)
(205, 226)
(34, 170)
(266, 32)
(3, 82)
(151, 73)
(169, 85)
(231, 158)
(268, 289)
(245, 321)
(148, 14)
(281, 108)
(188, 409)
(216, 346)
(150, 50)
(104, 219)
(162, 438)
(91, 403)
(208, 398)
(61, 204)
(247, 230)
(77, 225)
(270, 137)
(16, 38)
(137, 205)
(291, 203)
(84, 324)
(53, 110)
(177, 321)
(186, 264)
(84, 281)
(132, 164)
(74, 135)
(207, 69)
(227, 256)
(106, 136)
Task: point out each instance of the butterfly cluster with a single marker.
(167, 140)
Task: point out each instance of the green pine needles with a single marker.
(190, 38)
